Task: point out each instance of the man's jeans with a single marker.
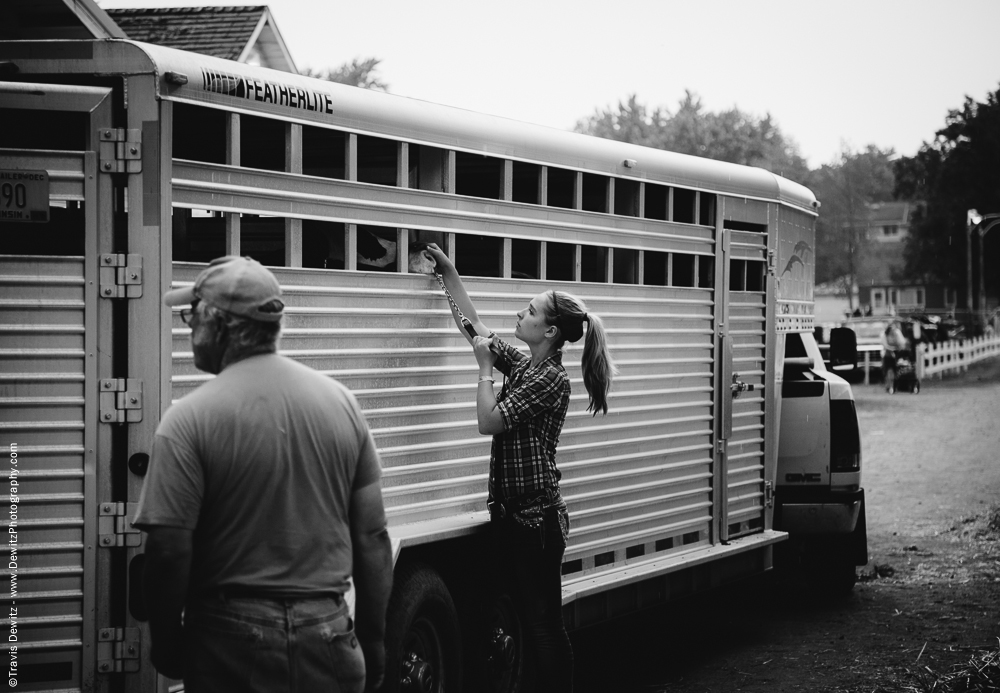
(272, 646)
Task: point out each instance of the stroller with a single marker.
(899, 372)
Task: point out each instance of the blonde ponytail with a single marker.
(569, 313)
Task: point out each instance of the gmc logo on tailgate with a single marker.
(809, 478)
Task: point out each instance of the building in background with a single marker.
(885, 289)
(27, 20)
(244, 34)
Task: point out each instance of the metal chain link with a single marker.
(451, 300)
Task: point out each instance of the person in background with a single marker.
(262, 499)
(894, 345)
(529, 518)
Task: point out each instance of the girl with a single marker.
(529, 519)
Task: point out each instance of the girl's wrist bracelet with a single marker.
(486, 378)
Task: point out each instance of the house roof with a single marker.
(55, 19)
(240, 33)
(882, 213)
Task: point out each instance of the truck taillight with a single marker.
(845, 439)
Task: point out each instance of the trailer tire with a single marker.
(840, 576)
(423, 645)
(503, 661)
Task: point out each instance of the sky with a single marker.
(832, 75)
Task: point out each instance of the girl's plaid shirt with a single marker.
(532, 404)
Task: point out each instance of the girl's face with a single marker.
(532, 327)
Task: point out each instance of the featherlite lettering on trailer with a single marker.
(265, 92)
(702, 271)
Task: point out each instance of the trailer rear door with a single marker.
(54, 348)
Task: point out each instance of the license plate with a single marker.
(24, 195)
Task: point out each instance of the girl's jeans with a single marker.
(530, 565)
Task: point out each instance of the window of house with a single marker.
(920, 297)
(877, 298)
(893, 297)
(891, 230)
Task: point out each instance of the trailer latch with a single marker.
(118, 650)
(121, 275)
(120, 400)
(114, 525)
(120, 150)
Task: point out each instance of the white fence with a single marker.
(958, 355)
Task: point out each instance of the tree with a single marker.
(357, 73)
(731, 135)
(959, 170)
(846, 188)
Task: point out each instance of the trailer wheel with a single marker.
(504, 657)
(839, 577)
(423, 650)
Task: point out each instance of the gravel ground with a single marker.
(927, 602)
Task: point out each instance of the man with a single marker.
(262, 499)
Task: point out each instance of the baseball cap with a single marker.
(238, 285)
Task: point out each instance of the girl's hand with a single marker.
(485, 357)
(441, 260)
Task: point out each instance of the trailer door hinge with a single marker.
(114, 525)
(121, 400)
(768, 494)
(118, 650)
(121, 275)
(121, 150)
(772, 262)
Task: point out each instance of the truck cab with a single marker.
(819, 499)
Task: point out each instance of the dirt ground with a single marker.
(927, 602)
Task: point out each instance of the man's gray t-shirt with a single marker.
(261, 463)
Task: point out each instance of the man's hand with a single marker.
(372, 577)
(165, 583)
(374, 664)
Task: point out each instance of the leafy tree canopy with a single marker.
(959, 170)
(357, 73)
(732, 135)
(845, 188)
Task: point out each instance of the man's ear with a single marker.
(220, 329)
